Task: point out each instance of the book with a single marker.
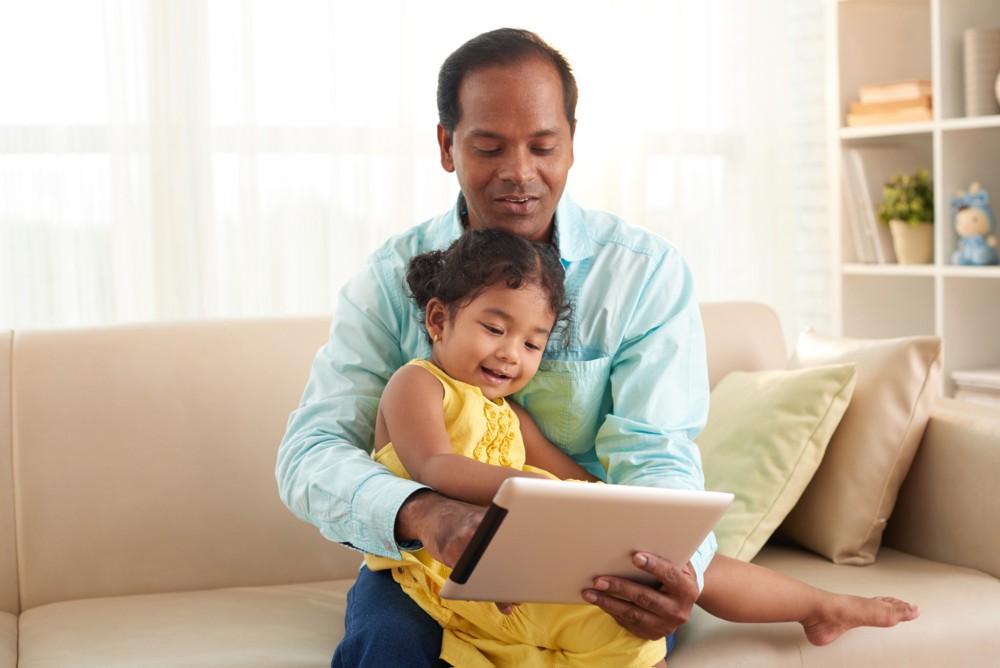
(904, 115)
(861, 236)
(979, 386)
(985, 379)
(894, 90)
(868, 168)
(924, 102)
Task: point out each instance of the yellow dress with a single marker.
(476, 633)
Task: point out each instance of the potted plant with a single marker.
(908, 208)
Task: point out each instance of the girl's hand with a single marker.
(506, 608)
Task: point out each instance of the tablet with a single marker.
(544, 541)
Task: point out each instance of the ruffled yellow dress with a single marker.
(476, 634)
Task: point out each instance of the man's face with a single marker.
(512, 147)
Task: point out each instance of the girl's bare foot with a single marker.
(848, 612)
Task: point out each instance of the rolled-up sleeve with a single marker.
(324, 470)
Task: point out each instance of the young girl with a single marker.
(491, 301)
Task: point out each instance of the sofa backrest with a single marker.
(144, 459)
(143, 455)
(743, 336)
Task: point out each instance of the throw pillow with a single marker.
(764, 438)
(843, 512)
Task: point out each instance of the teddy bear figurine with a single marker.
(975, 226)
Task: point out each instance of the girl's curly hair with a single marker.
(481, 258)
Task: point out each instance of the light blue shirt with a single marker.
(624, 391)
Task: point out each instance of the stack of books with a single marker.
(894, 102)
(981, 386)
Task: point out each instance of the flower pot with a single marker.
(914, 244)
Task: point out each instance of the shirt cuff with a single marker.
(703, 557)
(373, 513)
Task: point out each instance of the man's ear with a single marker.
(445, 144)
(435, 318)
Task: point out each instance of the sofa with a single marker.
(140, 522)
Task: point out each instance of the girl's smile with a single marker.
(496, 341)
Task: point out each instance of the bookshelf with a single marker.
(873, 41)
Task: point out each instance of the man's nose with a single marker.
(519, 168)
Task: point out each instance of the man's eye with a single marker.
(544, 150)
(487, 151)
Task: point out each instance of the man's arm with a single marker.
(324, 471)
(660, 388)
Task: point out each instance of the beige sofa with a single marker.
(140, 522)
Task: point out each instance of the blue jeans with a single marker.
(384, 627)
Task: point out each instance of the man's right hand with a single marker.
(444, 526)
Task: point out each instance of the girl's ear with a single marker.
(436, 317)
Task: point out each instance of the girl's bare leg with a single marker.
(742, 592)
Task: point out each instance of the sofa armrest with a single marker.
(948, 509)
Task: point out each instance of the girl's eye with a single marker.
(534, 346)
(493, 330)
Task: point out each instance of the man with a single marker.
(624, 391)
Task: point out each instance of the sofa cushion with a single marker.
(288, 625)
(8, 639)
(945, 594)
(843, 512)
(764, 439)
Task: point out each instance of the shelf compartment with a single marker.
(879, 43)
(955, 16)
(967, 155)
(909, 297)
(971, 317)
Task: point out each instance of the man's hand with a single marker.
(647, 612)
(444, 525)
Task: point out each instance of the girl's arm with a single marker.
(413, 417)
(544, 454)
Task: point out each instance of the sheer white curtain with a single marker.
(203, 158)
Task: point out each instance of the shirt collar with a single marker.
(571, 237)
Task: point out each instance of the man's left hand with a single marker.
(650, 613)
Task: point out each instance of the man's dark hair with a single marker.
(504, 46)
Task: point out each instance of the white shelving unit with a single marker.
(875, 41)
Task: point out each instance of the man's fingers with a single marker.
(628, 616)
(648, 612)
(670, 575)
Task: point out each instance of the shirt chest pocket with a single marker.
(569, 400)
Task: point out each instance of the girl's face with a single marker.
(496, 341)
